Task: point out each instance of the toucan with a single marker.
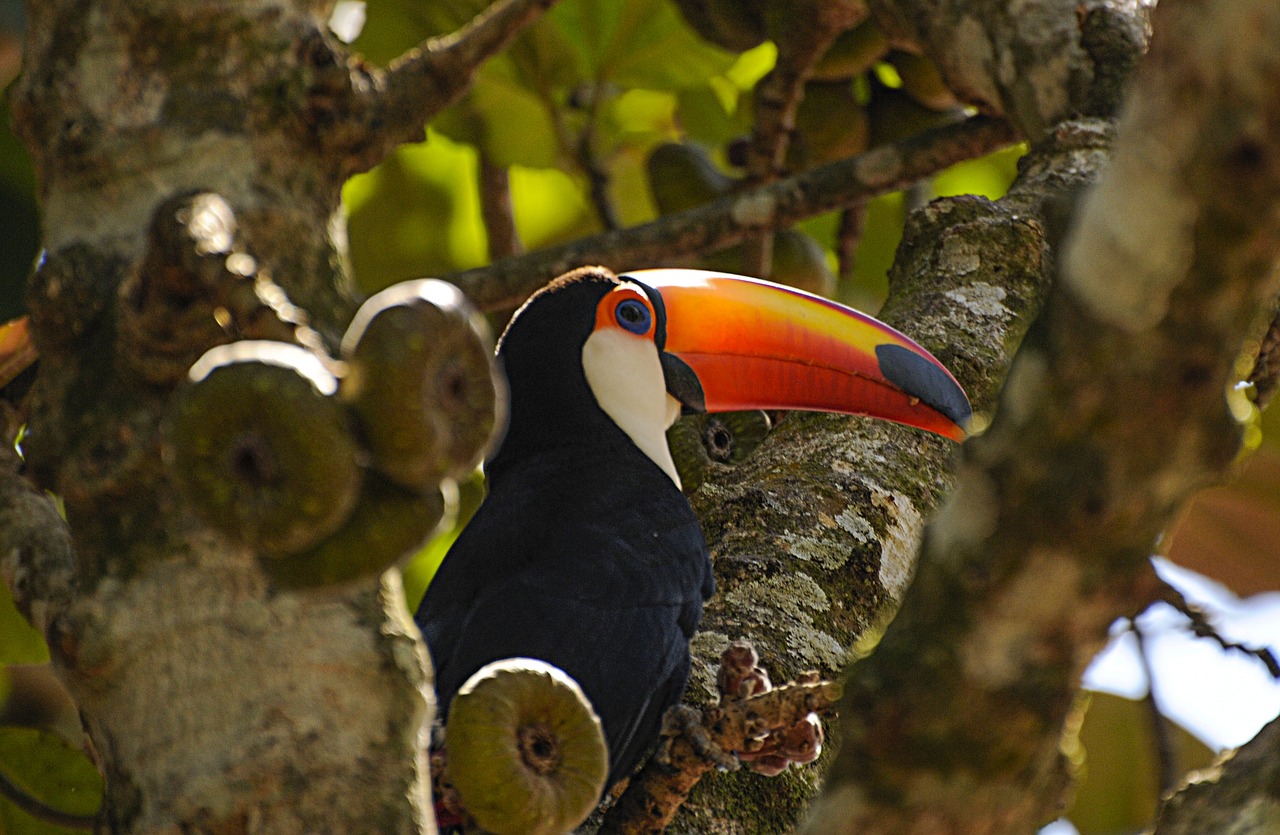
(585, 553)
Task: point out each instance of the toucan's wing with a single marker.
(606, 584)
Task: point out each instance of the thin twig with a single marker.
(12, 792)
(1202, 628)
(597, 176)
(1161, 730)
(1265, 376)
(852, 222)
(730, 220)
(496, 210)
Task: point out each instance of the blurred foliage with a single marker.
(598, 87)
(20, 642)
(1119, 788)
(1229, 532)
(49, 770)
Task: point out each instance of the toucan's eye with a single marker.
(634, 316)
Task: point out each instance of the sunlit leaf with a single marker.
(46, 768)
(417, 214)
(630, 43)
(988, 176)
(550, 206)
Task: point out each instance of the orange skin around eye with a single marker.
(606, 316)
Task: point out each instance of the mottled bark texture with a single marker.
(1035, 62)
(214, 703)
(1113, 413)
(1238, 795)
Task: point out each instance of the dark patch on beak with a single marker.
(683, 384)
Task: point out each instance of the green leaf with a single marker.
(20, 642)
(631, 43)
(49, 770)
(417, 214)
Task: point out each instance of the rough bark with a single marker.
(214, 702)
(814, 537)
(1114, 412)
(1239, 795)
(1033, 62)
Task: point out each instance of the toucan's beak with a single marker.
(17, 352)
(752, 344)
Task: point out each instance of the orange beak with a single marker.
(17, 352)
(752, 344)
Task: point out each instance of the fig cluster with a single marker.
(331, 469)
(862, 93)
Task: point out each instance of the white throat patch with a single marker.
(626, 378)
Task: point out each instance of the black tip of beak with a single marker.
(920, 378)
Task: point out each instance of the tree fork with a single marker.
(213, 701)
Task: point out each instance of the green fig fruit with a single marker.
(894, 115)
(388, 524)
(831, 124)
(682, 177)
(422, 381)
(799, 261)
(736, 25)
(261, 450)
(922, 81)
(725, 438)
(526, 751)
(853, 53)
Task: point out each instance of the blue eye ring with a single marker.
(634, 316)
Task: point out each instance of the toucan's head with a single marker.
(594, 352)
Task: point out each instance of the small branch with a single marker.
(1202, 628)
(432, 76)
(496, 211)
(852, 222)
(1265, 376)
(732, 219)
(596, 173)
(1160, 729)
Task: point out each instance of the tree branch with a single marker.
(432, 76)
(1027, 61)
(1240, 793)
(506, 283)
(1113, 414)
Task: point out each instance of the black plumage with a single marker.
(584, 554)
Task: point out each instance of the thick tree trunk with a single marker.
(213, 702)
